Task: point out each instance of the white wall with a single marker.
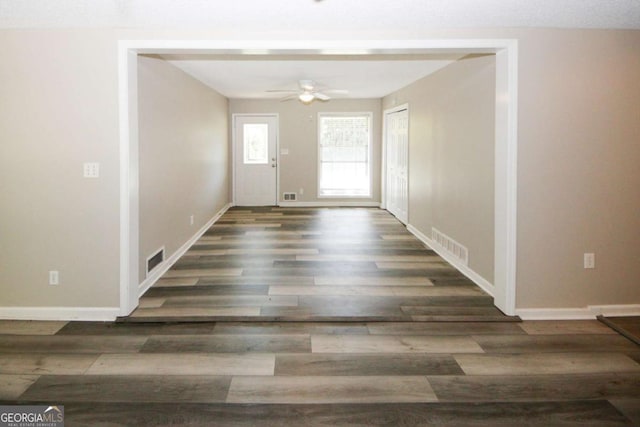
(451, 155)
(579, 121)
(58, 109)
(184, 147)
(579, 103)
(299, 134)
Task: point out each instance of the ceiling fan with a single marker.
(308, 91)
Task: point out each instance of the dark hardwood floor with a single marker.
(558, 373)
(480, 368)
(628, 326)
(304, 264)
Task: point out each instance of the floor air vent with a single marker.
(450, 246)
(289, 197)
(154, 260)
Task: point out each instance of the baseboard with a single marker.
(589, 312)
(104, 314)
(328, 204)
(554, 313)
(615, 310)
(168, 263)
(464, 269)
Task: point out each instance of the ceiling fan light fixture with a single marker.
(306, 97)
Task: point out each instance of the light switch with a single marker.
(91, 170)
(284, 151)
(589, 260)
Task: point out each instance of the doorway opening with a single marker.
(255, 159)
(504, 287)
(396, 162)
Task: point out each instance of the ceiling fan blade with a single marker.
(282, 90)
(289, 98)
(321, 96)
(308, 91)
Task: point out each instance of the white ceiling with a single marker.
(363, 78)
(313, 19)
(319, 16)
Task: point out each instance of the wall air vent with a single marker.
(450, 246)
(155, 260)
(289, 197)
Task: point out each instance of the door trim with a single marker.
(234, 116)
(383, 174)
(506, 51)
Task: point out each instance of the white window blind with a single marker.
(344, 155)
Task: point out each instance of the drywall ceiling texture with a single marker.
(319, 16)
(238, 78)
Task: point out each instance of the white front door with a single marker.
(255, 166)
(397, 163)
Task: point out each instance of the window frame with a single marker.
(245, 150)
(369, 116)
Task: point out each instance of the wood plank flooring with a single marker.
(324, 373)
(629, 326)
(391, 336)
(305, 264)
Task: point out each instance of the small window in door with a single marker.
(256, 143)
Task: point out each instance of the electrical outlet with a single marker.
(301, 191)
(589, 260)
(54, 277)
(191, 220)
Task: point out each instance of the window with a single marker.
(344, 155)
(256, 143)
